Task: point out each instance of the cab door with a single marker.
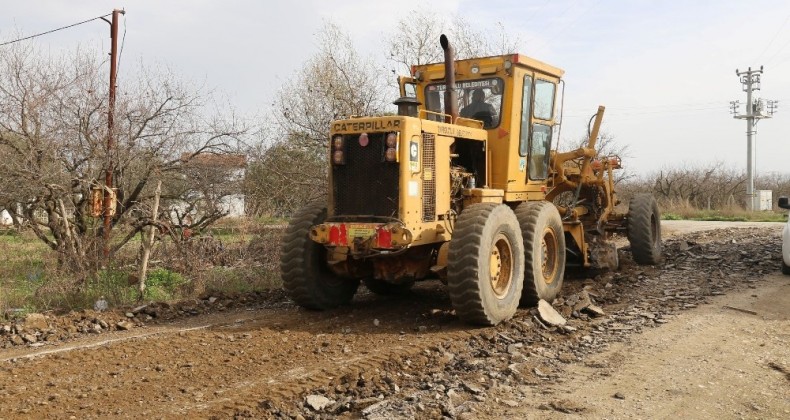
(537, 123)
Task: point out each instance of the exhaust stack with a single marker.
(450, 95)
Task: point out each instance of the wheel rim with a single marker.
(501, 266)
(548, 255)
(654, 231)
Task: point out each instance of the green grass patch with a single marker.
(162, 284)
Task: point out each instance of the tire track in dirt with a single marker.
(262, 363)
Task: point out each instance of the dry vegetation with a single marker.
(236, 256)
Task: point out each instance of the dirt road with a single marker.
(703, 335)
(726, 359)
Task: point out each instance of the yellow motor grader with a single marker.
(463, 185)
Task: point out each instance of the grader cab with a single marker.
(463, 185)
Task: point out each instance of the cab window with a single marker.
(479, 99)
(410, 90)
(526, 111)
(544, 99)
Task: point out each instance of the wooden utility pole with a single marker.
(108, 191)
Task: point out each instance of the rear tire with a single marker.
(383, 288)
(306, 277)
(544, 251)
(644, 229)
(785, 268)
(485, 272)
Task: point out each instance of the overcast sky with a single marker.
(665, 70)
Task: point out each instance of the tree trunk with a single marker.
(148, 240)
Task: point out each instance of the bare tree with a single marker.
(53, 136)
(705, 186)
(335, 83)
(283, 179)
(606, 145)
(416, 39)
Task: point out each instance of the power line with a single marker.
(123, 42)
(535, 13)
(53, 30)
(653, 107)
(773, 39)
(572, 21)
(619, 111)
(777, 53)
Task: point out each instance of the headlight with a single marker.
(337, 143)
(391, 154)
(392, 139)
(338, 157)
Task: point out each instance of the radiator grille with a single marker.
(366, 185)
(428, 177)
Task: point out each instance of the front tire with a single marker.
(485, 272)
(544, 251)
(785, 268)
(644, 229)
(306, 277)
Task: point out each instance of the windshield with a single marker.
(479, 99)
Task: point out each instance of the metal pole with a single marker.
(108, 196)
(749, 144)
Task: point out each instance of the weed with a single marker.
(162, 284)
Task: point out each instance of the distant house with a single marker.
(5, 218)
(222, 176)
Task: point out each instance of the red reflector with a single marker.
(384, 238)
(337, 235)
(343, 235)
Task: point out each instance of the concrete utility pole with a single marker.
(755, 110)
(108, 191)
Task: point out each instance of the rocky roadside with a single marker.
(501, 365)
(43, 329)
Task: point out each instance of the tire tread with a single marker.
(300, 270)
(641, 210)
(464, 278)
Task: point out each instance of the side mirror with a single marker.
(783, 203)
